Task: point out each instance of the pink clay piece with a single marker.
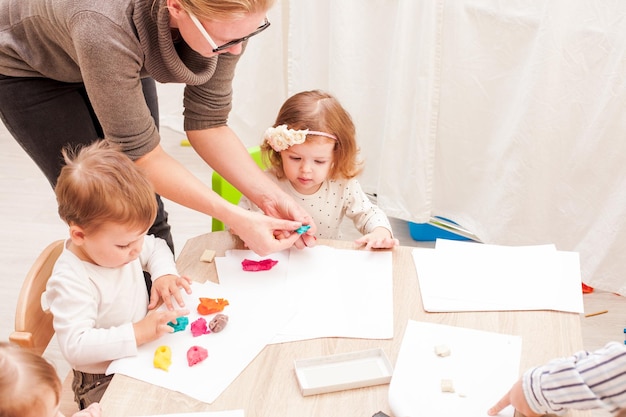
(196, 354)
(262, 265)
(199, 327)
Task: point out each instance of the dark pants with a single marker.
(89, 388)
(45, 115)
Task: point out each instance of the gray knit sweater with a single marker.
(109, 45)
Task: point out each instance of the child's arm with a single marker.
(584, 381)
(368, 218)
(514, 397)
(157, 259)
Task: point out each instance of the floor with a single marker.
(29, 220)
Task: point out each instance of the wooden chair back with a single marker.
(33, 326)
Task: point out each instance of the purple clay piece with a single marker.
(218, 323)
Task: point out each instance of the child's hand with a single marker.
(93, 410)
(379, 238)
(516, 398)
(165, 287)
(154, 325)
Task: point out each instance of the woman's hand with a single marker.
(264, 234)
(166, 286)
(285, 207)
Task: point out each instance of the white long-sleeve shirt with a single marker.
(94, 308)
(583, 381)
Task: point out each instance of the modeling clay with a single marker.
(587, 289)
(447, 385)
(303, 228)
(211, 305)
(181, 324)
(218, 323)
(442, 350)
(199, 327)
(196, 354)
(262, 265)
(162, 357)
(208, 255)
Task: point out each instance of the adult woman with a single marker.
(73, 72)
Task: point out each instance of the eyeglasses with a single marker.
(230, 44)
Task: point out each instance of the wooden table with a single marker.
(268, 386)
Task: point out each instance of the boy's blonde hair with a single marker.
(319, 111)
(225, 9)
(100, 184)
(23, 376)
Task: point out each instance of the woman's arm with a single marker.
(225, 153)
(174, 182)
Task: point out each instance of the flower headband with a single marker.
(280, 137)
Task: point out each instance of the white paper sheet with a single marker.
(465, 276)
(482, 367)
(253, 321)
(331, 292)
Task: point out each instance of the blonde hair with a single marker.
(225, 9)
(23, 376)
(319, 111)
(100, 184)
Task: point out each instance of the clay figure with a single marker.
(181, 324)
(218, 323)
(199, 327)
(196, 354)
(162, 357)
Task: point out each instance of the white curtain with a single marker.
(507, 117)
(530, 142)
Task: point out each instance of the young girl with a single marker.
(30, 386)
(97, 293)
(312, 155)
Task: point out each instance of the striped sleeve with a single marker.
(583, 381)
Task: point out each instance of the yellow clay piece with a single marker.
(163, 357)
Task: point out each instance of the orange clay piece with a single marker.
(211, 305)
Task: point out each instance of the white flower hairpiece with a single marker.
(280, 137)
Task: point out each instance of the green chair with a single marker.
(227, 191)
